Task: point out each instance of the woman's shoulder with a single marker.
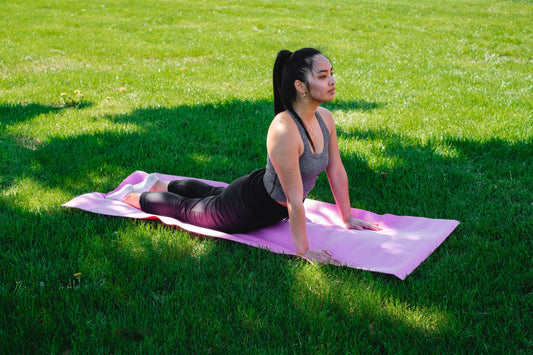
(283, 116)
(282, 132)
(283, 123)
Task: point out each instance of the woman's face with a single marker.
(321, 82)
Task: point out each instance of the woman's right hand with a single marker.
(321, 256)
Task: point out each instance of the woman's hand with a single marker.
(359, 224)
(321, 256)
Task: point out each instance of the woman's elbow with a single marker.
(295, 202)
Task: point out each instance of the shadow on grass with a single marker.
(215, 141)
(237, 292)
(11, 114)
(446, 178)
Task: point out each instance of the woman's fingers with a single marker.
(359, 224)
(321, 256)
(373, 226)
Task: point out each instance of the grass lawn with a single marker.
(434, 115)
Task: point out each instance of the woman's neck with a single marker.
(306, 111)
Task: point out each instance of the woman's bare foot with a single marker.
(133, 199)
(150, 183)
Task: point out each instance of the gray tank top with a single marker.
(311, 164)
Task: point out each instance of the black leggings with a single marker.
(240, 207)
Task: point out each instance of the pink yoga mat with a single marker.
(398, 249)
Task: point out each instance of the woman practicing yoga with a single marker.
(301, 143)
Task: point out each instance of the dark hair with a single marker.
(289, 67)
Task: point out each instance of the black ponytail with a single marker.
(279, 65)
(289, 67)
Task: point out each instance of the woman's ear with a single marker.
(300, 87)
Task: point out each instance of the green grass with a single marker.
(435, 118)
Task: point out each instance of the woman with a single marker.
(301, 143)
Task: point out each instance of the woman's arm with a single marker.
(284, 147)
(284, 151)
(338, 180)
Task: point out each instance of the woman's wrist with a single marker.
(347, 219)
(302, 253)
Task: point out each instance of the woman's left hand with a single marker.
(359, 224)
